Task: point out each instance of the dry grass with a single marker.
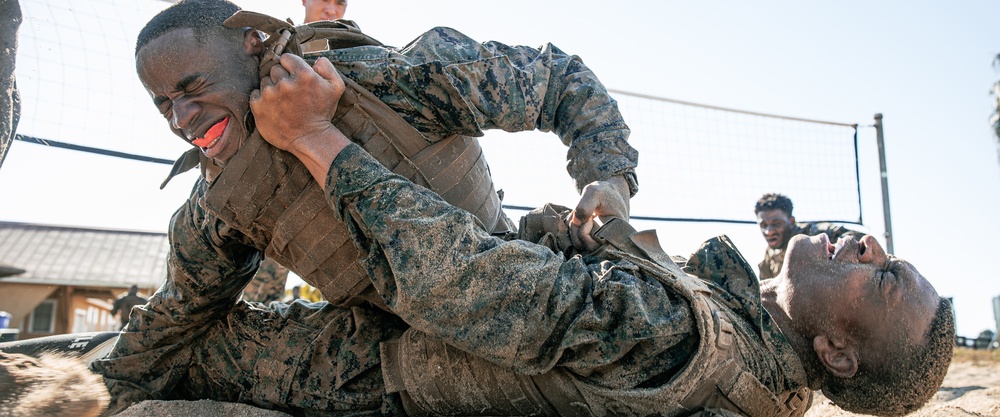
(977, 356)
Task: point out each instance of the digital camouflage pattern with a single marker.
(268, 284)
(774, 258)
(196, 339)
(10, 100)
(438, 272)
(605, 320)
(445, 83)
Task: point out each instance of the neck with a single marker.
(774, 297)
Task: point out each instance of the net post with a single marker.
(885, 183)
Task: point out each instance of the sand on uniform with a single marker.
(971, 388)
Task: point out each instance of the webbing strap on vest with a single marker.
(728, 375)
(433, 378)
(267, 194)
(457, 171)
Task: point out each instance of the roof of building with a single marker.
(60, 255)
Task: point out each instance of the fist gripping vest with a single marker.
(268, 195)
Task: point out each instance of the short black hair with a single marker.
(202, 16)
(906, 379)
(771, 201)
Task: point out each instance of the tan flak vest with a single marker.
(267, 194)
(434, 378)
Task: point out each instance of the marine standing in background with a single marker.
(123, 305)
(774, 216)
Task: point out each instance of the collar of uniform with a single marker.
(719, 262)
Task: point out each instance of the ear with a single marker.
(253, 45)
(837, 354)
(792, 220)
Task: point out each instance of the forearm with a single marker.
(588, 120)
(318, 150)
(568, 99)
(446, 83)
(207, 269)
(444, 276)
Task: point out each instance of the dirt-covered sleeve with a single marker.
(515, 303)
(207, 267)
(446, 83)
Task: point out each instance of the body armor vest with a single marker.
(434, 378)
(267, 194)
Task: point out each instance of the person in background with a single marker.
(324, 9)
(123, 305)
(777, 224)
(296, 294)
(318, 10)
(269, 283)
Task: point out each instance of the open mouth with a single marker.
(213, 135)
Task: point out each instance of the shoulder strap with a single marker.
(721, 367)
(284, 37)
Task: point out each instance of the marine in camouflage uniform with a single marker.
(268, 284)
(442, 84)
(775, 257)
(778, 225)
(470, 87)
(607, 322)
(122, 306)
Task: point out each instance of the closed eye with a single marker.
(163, 105)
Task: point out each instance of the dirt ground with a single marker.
(972, 388)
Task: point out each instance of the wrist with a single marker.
(318, 149)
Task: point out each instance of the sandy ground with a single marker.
(972, 388)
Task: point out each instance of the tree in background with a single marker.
(995, 119)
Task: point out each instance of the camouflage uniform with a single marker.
(269, 283)
(10, 101)
(774, 258)
(605, 321)
(445, 83)
(442, 84)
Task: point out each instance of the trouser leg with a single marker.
(301, 356)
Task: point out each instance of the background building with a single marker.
(70, 276)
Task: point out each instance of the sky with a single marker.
(926, 66)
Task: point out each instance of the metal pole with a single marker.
(885, 183)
